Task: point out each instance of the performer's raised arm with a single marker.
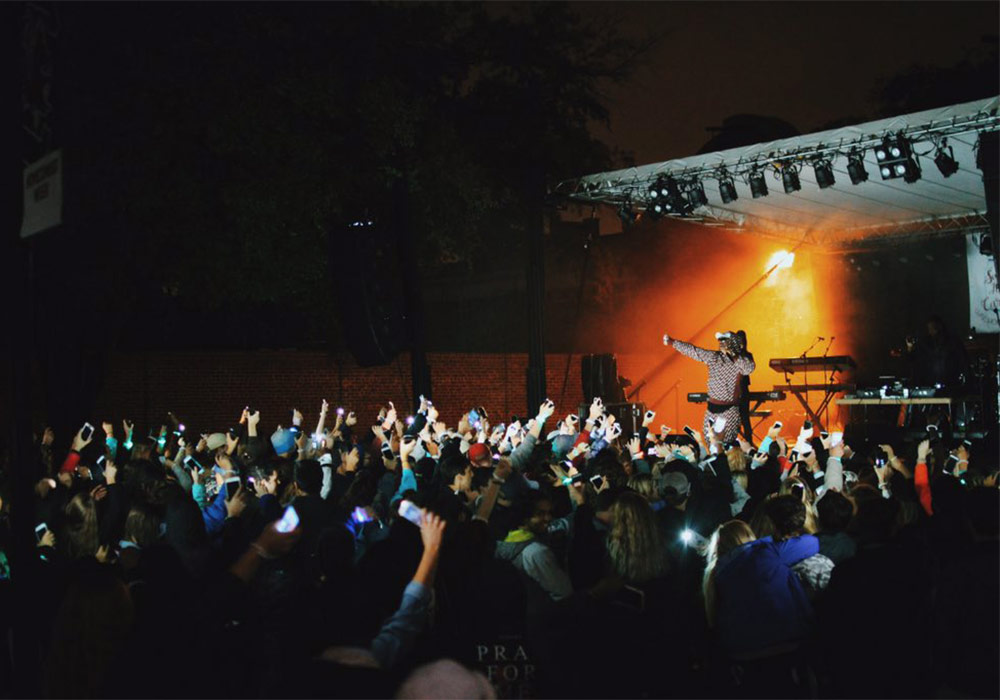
(692, 351)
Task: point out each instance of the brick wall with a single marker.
(207, 390)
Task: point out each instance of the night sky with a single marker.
(809, 63)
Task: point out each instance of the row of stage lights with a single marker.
(895, 158)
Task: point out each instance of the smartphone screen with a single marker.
(597, 481)
(650, 415)
(232, 486)
(807, 425)
(40, 532)
(409, 511)
(88, 430)
(289, 521)
(688, 430)
(778, 424)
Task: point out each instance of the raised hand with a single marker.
(352, 419)
(48, 539)
(238, 503)
(503, 469)
(231, 443)
(351, 460)
(633, 446)
(48, 436)
(78, 442)
(431, 530)
(108, 428)
(253, 419)
(390, 417)
(774, 431)
(666, 339)
(296, 417)
(648, 418)
(923, 449)
(596, 408)
(406, 448)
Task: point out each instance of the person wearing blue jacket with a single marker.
(762, 608)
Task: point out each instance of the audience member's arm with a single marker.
(834, 478)
(396, 637)
(489, 500)
(921, 477)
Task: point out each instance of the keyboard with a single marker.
(754, 396)
(833, 363)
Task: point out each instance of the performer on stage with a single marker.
(726, 368)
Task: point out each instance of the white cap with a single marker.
(720, 336)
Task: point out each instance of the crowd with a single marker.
(550, 557)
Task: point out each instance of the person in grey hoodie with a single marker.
(524, 548)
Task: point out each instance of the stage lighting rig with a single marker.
(824, 173)
(790, 177)
(944, 159)
(856, 166)
(895, 159)
(666, 197)
(758, 186)
(696, 194)
(727, 188)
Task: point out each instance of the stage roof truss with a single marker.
(838, 214)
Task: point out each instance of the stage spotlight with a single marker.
(856, 166)
(758, 187)
(671, 198)
(895, 159)
(696, 194)
(727, 189)
(945, 160)
(790, 178)
(782, 260)
(824, 173)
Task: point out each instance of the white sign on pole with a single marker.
(42, 194)
(984, 294)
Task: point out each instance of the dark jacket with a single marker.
(760, 602)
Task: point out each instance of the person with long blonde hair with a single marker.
(635, 543)
(725, 539)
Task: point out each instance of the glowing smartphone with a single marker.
(409, 511)
(289, 521)
(40, 532)
(87, 431)
(232, 485)
(360, 515)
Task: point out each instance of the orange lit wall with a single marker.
(689, 277)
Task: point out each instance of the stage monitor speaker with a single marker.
(599, 374)
(365, 271)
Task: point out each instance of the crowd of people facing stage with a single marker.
(552, 555)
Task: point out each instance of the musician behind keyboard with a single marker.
(937, 358)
